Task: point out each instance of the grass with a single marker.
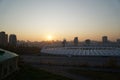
(96, 75)
(27, 72)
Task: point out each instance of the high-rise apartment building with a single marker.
(64, 42)
(12, 40)
(87, 41)
(3, 39)
(118, 41)
(76, 41)
(105, 39)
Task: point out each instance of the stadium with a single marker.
(93, 56)
(83, 51)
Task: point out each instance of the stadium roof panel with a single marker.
(84, 51)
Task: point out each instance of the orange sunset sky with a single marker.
(38, 20)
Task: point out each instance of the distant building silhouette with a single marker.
(3, 39)
(76, 41)
(118, 41)
(87, 41)
(12, 40)
(105, 39)
(64, 42)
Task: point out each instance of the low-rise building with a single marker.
(8, 63)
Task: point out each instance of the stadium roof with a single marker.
(83, 51)
(4, 55)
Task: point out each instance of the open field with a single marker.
(26, 72)
(77, 61)
(96, 75)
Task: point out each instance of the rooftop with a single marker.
(4, 55)
(83, 51)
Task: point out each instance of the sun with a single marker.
(49, 37)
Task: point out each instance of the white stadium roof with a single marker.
(82, 51)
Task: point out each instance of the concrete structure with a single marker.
(83, 51)
(12, 40)
(64, 42)
(6, 39)
(8, 63)
(87, 41)
(3, 39)
(94, 56)
(118, 41)
(105, 39)
(98, 54)
(76, 41)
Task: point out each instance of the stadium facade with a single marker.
(93, 55)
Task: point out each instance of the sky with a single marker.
(38, 20)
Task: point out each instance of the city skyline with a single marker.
(41, 20)
(12, 38)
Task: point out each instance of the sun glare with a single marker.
(49, 37)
